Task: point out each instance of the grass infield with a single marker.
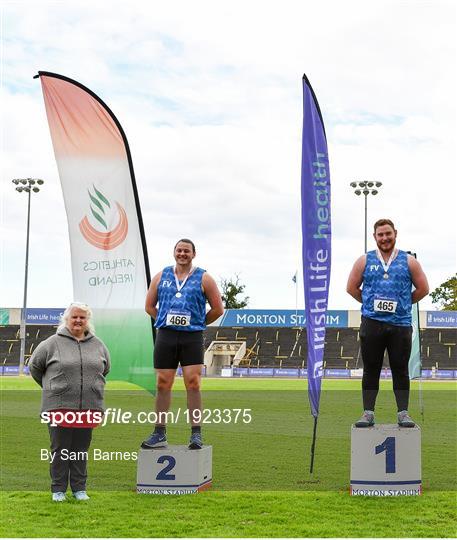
(261, 487)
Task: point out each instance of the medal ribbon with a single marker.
(386, 265)
(179, 286)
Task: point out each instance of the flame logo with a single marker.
(104, 240)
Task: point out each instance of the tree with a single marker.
(231, 288)
(446, 294)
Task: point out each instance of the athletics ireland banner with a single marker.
(108, 248)
(316, 237)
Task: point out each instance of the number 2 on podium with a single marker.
(388, 446)
(163, 474)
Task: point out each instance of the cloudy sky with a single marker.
(209, 95)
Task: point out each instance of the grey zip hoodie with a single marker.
(71, 372)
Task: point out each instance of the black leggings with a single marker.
(375, 338)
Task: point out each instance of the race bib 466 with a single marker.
(178, 318)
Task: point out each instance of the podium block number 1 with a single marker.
(386, 461)
(163, 474)
(388, 446)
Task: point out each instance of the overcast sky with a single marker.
(209, 95)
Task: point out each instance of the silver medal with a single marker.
(178, 295)
(386, 265)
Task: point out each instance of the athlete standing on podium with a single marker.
(387, 275)
(177, 299)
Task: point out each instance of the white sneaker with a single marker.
(81, 496)
(366, 420)
(59, 496)
(404, 420)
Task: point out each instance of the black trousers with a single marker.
(69, 447)
(375, 338)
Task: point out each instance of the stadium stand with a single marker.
(448, 336)
(287, 347)
(10, 342)
(280, 347)
(439, 348)
(292, 347)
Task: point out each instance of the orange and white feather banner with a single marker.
(108, 248)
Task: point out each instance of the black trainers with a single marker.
(366, 420)
(196, 442)
(156, 440)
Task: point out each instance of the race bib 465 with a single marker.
(384, 305)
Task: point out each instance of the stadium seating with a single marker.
(287, 347)
(270, 346)
(10, 344)
(438, 348)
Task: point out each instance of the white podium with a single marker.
(175, 470)
(386, 460)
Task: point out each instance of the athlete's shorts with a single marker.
(174, 347)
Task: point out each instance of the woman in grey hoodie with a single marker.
(71, 366)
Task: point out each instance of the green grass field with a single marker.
(261, 481)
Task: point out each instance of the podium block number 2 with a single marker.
(388, 446)
(164, 473)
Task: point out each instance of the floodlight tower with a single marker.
(29, 186)
(366, 188)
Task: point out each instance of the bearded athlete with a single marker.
(382, 280)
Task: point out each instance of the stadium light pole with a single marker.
(366, 187)
(26, 185)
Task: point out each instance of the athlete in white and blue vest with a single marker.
(386, 281)
(177, 299)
